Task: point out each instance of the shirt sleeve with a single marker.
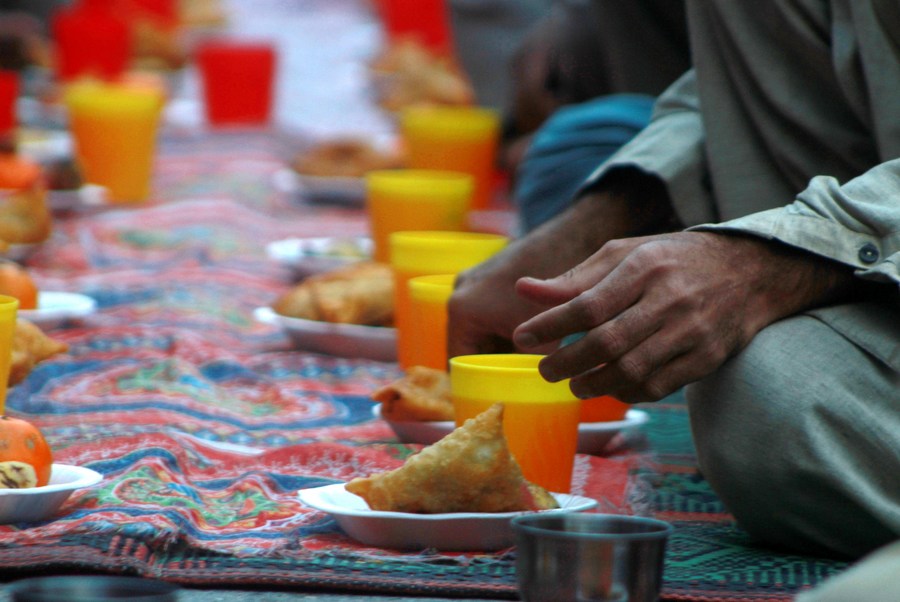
(857, 223)
(671, 148)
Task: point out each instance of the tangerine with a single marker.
(22, 445)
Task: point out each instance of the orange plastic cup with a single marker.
(424, 253)
(603, 409)
(9, 307)
(540, 419)
(114, 129)
(238, 80)
(410, 199)
(428, 297)
(460, 139)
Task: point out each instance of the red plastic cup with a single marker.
(238, 80)
(91, 41)
(426, 21)
(9, 93)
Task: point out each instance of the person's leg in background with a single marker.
(568, 147)
(486, 35)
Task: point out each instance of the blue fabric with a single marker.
(570, 145)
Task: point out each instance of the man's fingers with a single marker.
(605, 343)
(610, 297)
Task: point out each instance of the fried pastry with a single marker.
(24, 216)
(348, 158)
(411, 75)
(30, 347)
(422, 394)
(469, 470)
(361, 293)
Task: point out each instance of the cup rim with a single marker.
(658, 529)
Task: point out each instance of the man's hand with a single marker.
(484, 309)
(662, 311)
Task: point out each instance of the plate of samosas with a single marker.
(418, 408)
(474, 487)
(346, 312)
(334, 171)
(308, 256)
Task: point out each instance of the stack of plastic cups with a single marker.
(411, 199)
(422, 253)
(461, 139)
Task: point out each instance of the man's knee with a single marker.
(783, 435)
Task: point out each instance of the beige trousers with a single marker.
(799, 435)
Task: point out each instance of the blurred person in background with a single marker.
(576, 79)
(24, 32)
(746, 244)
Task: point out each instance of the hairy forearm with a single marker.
(788, 280)
(627, 203)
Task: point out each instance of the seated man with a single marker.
(778, 306)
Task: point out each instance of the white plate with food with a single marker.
(333, 171)
(346, 191)
(592, 436)
(343, 340)
(334, 190)
(308, 256)
(56, 307)
(41, 503)
(402, 530)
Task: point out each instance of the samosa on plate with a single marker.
(421, 395)
(469, 470)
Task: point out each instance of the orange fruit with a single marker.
(15, 281)
(22, 446)
(602, 409)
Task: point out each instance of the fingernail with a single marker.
(548, 374)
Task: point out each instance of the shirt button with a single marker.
(868, 253)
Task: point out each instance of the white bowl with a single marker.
(41, 503)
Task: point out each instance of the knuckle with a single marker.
(609, 342)
(588, 308)
(634, 369)
(654, 390)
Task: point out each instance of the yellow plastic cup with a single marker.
(428, 297)
(423, 253)
(411, 199)
(540, 419)
(9, 307)
(461, 139)
(114, 129)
